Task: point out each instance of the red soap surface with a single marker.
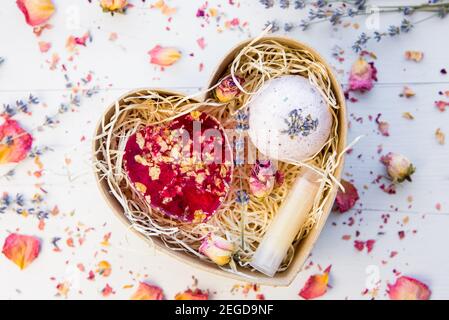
(182, 168)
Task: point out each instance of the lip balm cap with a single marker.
(267, 261)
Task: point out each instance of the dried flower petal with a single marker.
(440, 136)
(218, 249)
(36, 12)
(407, 288)
(21, 249)
(362, 75)
(346, 199)
(442, 105)
(44, 46)
(190, 294)
(104, 268)
(316, 285)
(416, 56)
(148, 292)
(407, 92)
(399, 168)
(114, 5)
(15, 143)
(227, 90)
(163, 56)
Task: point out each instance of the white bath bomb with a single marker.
(289, 119)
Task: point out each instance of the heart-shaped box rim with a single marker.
(305, 246)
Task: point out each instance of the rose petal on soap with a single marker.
(36, 12)
(346, 199)
(21, 249)
(163, 56)
(147, 292)
(407, 288)
(190, 294)
(316, 285)
(15, 143)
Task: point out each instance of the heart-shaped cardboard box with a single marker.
(305, 246)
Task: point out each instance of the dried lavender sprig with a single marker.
(405, 27)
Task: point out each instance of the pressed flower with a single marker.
(362, 76)
(407, 288)
(147, 292)
(36, 12)
(346, 199)
(399, 168)
(21, 249)
(114, 5)
(15, 143)
(263, 178)
(218, 249)
(190, 294)
(227, 90)
(316, 285)
(164, 56)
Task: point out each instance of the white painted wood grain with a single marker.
(123, 65)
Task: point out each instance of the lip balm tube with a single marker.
(286, 224)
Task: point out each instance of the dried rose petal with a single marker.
(44, 46)
(262, 178)
(416, 56)
(227, 90)
(107, 291)
(345, 200)
(316, 285)
(190, 294)
(21, 249)
(407, 92)
(218, 249)
(114, 5)
(384, 127)
(399, 168)
(164, 57)
(441, 105)
(148, 292)
(165, 9)
(407, 288)
(362, 76)
(104, 268)
(441, 137)
(182, 168)
(36, 12)
(15, 143)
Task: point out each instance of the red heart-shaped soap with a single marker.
(182, 168)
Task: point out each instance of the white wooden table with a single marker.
(122, 65)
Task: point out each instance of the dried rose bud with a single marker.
(262, 179)
(227, 90)
(163, 56)
(36, 12)
(114, 5)
(218, 249)
(362, 76)
(399, 168)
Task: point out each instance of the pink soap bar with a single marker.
(182, 168)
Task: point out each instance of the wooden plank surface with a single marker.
(124, 64)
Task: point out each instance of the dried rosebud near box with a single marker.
(210, 214)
